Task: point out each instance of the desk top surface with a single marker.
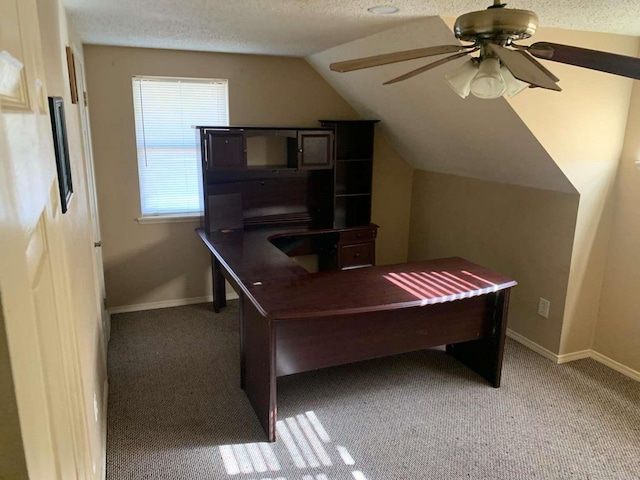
(281, 289)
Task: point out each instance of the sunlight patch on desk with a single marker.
(477, 277)
(439, 287)
(308, 446)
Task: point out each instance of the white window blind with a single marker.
(166, 110)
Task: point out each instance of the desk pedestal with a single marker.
(473, 330)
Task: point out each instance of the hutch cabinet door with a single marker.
(226, 150)
(315, 149)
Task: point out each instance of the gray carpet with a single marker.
(176, 412)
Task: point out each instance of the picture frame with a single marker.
(61, 147)
(71, 67)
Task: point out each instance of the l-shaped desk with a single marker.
(293, 321)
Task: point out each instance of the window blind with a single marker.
(166, 110)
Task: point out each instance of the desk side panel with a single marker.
(484, 356)
(312, 343)
(258, 365)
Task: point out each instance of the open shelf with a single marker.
(352, 210)
(353, 178)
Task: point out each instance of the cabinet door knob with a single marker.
(300, 150)
(357, 255)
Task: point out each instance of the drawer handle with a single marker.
(356, 255)
(358, 235)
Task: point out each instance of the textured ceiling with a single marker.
(302, 27)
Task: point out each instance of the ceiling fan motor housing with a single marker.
(503, 25)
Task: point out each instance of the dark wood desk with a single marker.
(293, 321)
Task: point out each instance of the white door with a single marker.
(34, 303)
(83, 109)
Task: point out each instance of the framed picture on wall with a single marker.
(71, 66)
(58, 126)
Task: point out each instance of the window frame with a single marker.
(172, 217)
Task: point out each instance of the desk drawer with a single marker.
(359, 235)
(357, 255)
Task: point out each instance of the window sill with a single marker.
(181, 218)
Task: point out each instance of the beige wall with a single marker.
(583, 128)
(162, 262)
(617, 332)
(391, 202)
(47, 270)
(522, 232)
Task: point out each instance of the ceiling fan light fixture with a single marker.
(488, 83)
(513, 86)
(460, 79)
(383, 9)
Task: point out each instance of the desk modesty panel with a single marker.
(293, 321)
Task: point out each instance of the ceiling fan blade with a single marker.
(522, 50)
(377, 60)
(420, 70)
(524, 68)
(592, 59)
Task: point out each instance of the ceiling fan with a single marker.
(502, 66)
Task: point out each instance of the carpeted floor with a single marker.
(176, 412)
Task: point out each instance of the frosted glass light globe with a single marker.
(488, 83)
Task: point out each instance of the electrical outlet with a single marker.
(543, 307)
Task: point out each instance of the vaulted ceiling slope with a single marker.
(429, 124)
(302, 27)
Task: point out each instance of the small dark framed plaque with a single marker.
(58, 125)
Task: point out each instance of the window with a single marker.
(166, 110)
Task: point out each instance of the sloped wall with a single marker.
(617, 332)
(429, 124)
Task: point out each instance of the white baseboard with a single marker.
(570, 357)
(629, 372)
(167, 303)
(532, 345)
